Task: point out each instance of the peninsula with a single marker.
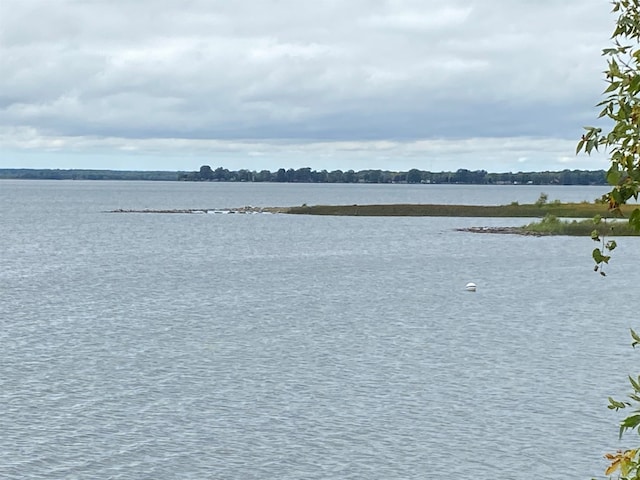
(549, 213)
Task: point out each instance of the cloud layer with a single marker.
(501, 85)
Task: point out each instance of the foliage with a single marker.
(83, 174)
(602, 253)
(621, 105)
(307, 175)
(542, 200)
(552, 225)
(414, 176)
(627, 462)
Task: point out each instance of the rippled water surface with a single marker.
(288, 347)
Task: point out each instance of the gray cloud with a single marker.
(300, 72)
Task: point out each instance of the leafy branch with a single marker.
(621, 105)
(601, 254)
(627, 462)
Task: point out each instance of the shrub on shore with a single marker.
(552, 225)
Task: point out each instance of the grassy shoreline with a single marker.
(566, 210)
(553, 226)
(549, 213)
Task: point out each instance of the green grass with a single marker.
(557, 209)
(549, 212)
(551, 225)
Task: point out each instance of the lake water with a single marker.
(151, 346)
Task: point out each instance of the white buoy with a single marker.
(471, 287)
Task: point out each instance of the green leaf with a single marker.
(629, 423)
(613, 86)
(617, 196)
(613, 176)
(614, 404)
(634, 85)
(598, 257)
(634, 219)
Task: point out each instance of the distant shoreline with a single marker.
(306, 175)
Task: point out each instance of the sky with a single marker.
(499, 85)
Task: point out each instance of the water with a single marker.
(289, 347)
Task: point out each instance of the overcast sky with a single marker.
(500, 85)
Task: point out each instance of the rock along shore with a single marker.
(242, 210)
(272, 210)
(507, 230)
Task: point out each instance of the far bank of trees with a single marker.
(461, 176)
(307, 175)
(83, 174)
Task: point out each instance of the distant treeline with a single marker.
(463, 176)
(307, 175)
(54, 174)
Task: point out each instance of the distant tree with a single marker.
(302, 175)
(462, 175)
(291, 175)
(375, 176)
(414, 176)
(349, 176)
(479, 176)
(262, 176)
(205, 172)
(319, 177)
(221, 174)
(336, 176)
(542, 200)
(281, 175)
(244, 175)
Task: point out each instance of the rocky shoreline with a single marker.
(550, 225)
(241, 210)
(504, 230)
(273, 210)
